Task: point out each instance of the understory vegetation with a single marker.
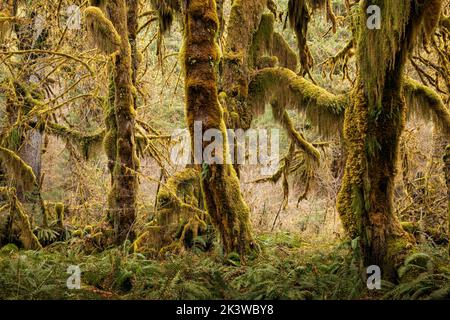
(288, 268)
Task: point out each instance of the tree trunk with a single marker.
(220, 184)
(373, 125)
(122, 197)
(244, 21)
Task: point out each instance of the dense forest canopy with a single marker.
(315, 136)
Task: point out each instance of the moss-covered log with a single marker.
(220, 184)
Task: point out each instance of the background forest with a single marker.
(91, 93)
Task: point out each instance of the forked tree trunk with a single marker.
(220, 184)
(373, 125)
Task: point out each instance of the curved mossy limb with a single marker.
(427, 104)
(21, 172)
(282, 116)
(102, 30)
(220, 184)
(324, 109)
(87, 144)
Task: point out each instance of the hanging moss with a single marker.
(432, 16)
(88, 144)
(299, 14)
(263, 38)
(384, 44)
(102, 31)
(166, 10)
(425, 103)
(324, 109)
(22, 173)
(59, 211)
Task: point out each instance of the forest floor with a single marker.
(289, 267)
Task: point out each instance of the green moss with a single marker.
(424, 102)
(323, 109)
(287, 58)
(411, 227)
(221, 190)
(88, 144)
(20, 220)
(263, 38)
(104, 35)
(59, 211)
(21, 172)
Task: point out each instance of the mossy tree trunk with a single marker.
(220, 184)
(122, 197)
(373, 125)
(28, 138)
(244, 21)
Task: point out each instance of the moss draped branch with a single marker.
(17, 168)
(324, 109)
(425, 102)
(87, 143)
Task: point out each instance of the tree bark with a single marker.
(373, 125)
(220, 184)
(122, 197)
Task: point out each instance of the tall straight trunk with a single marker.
(122, 197)
(220, 184)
